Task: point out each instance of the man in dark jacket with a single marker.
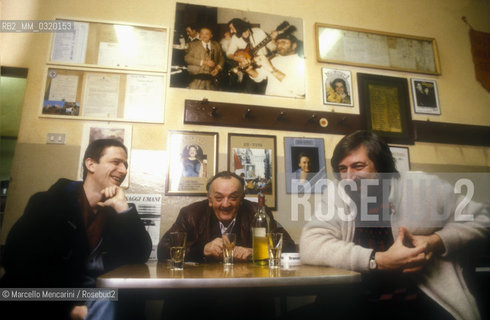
(225, 210)
(76, 231)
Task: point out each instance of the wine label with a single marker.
(259, 232)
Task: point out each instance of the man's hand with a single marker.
(242, 253)
(78, 312)
(432, 242)
(208, 62)
(115, 198)
(401, 257)
(214, 248)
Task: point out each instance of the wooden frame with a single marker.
(294, 150)
(376, 49)
(385, 107)
(96, 94)
(254, 158)
(425, 96)
(193, 159)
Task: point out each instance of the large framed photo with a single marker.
(305, 164)
(425, 98)
(385, 107)
(95, 130)
(337, 87)
(215, 48)
(253, 157)
(193, 159)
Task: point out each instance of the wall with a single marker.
(462, 98)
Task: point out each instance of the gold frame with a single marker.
(384, 44)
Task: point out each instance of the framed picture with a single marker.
(425, 97)
(337, 87)
(376, 49)
(385, 107)
(253, 157)
(193, 159)
(402, 158)
(305, 164)
(97, 130)
(238, 34)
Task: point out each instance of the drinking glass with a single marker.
(275, 247)
(229, 241)
(177, 250)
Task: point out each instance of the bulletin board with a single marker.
(107, 71)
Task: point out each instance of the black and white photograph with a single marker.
(425, 99)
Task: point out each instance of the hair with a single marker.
(96, 148)
(226, 175)
(341, 81)
(240, 25)
(192, 26)
(187, 148)
(288, 35)
(378, 151)
(303, 154)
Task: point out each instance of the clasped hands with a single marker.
(215, 249)
(114, 197)
(409, 253)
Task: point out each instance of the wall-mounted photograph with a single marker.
(425, 99)
(305, 163)
(192, 161)
(237, 51)
(337, 87)
(253, 157)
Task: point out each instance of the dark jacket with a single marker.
(202, 226)
(48, 246)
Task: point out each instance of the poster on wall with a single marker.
(237, 51)
(95, 131)
(253, 157)
(425, 98)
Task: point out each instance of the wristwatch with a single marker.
(372, 261)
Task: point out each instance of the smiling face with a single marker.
(284, 47)
(225, 197)
(110, 170)
(357, 165)
(304, 164)
(339, 88)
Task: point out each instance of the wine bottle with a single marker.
(260, 228)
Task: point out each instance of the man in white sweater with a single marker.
(408, 239)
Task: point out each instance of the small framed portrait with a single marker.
(95, 131)
(425, 97)
(402, 158)
(305, 164)
(192, 161)
(253, 157)
(337, 87)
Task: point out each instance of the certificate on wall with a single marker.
(101, 95)
(144, 97)
(71, 46)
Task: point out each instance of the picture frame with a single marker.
(253, 157)
(376, 49)
(425, 96)
(97, 130)
(337, 87)
(301, 153)
(193, 160)
(402, 158)
(385, 107)
(187, 71)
